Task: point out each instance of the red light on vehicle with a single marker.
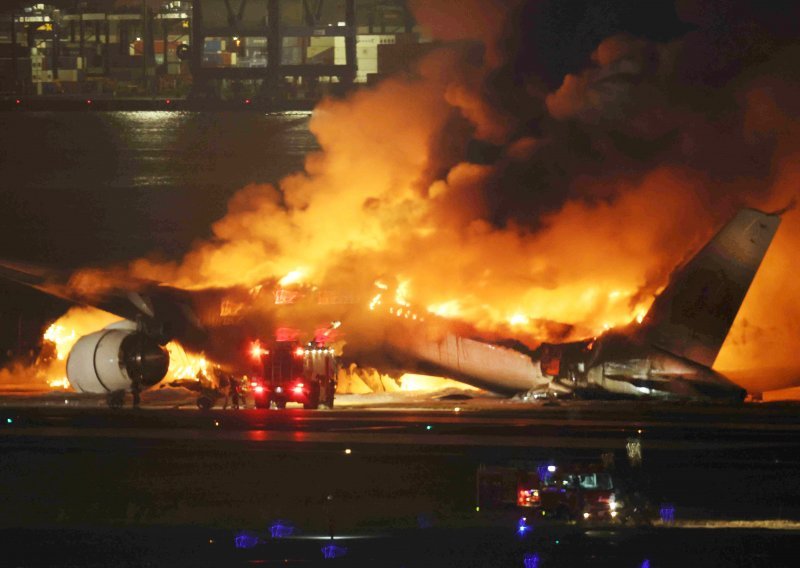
(88, 101)
(256, 351)
(18, 101)
(259, 389)
(527, 497)
(247, 101)
(167, 101)
(299, 352)
(298, 388)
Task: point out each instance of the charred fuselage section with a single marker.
(621, 365)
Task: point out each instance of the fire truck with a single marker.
(580, 492)
(289, 371)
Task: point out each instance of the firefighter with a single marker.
(233, 392)
(223, 383)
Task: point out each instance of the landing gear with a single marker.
(115, 399)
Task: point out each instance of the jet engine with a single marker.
(110, 359)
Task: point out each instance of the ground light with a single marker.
(667, 513)
(280, 529)
(245, 540)
(331, 550)
(522, 526)
(531, 560)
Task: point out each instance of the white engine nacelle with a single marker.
(110, 359)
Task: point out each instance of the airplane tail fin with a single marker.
(694, 313)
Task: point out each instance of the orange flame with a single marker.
(372, 203)
(184, 364)
(413, 382)
(77, 322)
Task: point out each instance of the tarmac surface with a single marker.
(392, 476)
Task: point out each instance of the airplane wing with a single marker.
(56, 283)
(165, 312)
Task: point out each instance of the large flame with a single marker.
(602, 186)
(62, 334)
(410, 382)
(77, 322)
(184, 364)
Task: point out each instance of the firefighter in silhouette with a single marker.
(223, 384)
(233, 391)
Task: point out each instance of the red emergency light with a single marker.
(299, 352)
(298, 388)
(256, 351)
(258, 389)
(528, 497)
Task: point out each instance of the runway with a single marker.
(397, 421)
(394, 477)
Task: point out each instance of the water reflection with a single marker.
(105, 187)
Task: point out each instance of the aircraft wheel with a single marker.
(115, 399)
(204, 403)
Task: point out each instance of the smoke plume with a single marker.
(603, 181)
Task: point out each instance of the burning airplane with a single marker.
(668, 354)
(603, 177)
